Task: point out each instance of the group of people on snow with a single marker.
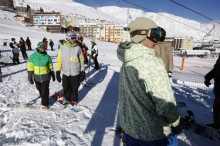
(71, 57)
(24, 45)
(147, 106)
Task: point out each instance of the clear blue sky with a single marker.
(209, 8)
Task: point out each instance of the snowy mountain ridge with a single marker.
(174, 25)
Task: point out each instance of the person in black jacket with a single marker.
(23, 48)
(94, 55)
(51, 43)
(15, 51)
(215, 74)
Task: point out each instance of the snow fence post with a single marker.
(182, 66)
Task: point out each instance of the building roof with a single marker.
(18, 15)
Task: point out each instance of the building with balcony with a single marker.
(50, 21)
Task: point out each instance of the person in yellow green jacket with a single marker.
(71, 61)
(40, 70)
(147, 106)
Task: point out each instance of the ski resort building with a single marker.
(179, 42)
(7, 3)
(50, 21)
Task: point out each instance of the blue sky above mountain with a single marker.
(208, 8)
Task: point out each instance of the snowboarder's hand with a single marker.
(31, 81)
(52, 75)
(82, 76)
(207, 83)
(58, 76)
(178, 129)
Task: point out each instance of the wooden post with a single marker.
(182, 66)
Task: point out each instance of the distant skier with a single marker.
(59, 44)
(15, 51)
(215, 74)
(70, 61)
(45, 42)
(51, 43)
(28, 42)
(23, 48)
(40, 71)
(84, 49)
(94, 54)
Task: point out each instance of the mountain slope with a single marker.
(174, 25)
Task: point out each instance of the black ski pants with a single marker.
(24, 54)
(70, 87)
(216, 105)
(43, 89)
(15, 58)
(95, 60)
(29, 47)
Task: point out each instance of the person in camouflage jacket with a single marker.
(147, 107)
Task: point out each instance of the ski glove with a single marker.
(178, 129)
(207, 83)
(30, 77)
(52, 75)
(58, 76)
(31, 80)
(82, 76)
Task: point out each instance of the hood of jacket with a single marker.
(129, 51)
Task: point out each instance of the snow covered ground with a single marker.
(96, 118)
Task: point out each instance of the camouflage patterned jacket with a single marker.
(147, 107)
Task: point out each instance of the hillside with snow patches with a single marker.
(174, 25)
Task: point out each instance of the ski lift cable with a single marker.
(194, 11)
(209, 32)
(164, 16)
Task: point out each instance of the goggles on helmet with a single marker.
(73, 38)
(42, 46)
(152, 34)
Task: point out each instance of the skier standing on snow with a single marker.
(84, 49)
(165, 52)
(94, 54)
(23, 48)
(51, 43)
(59, 44)
(28, 41)
(215, 74)
(70, 61)
(147, 106)
(14, 46)
(45, 42)
(40, 71)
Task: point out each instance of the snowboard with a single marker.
(189, 123)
